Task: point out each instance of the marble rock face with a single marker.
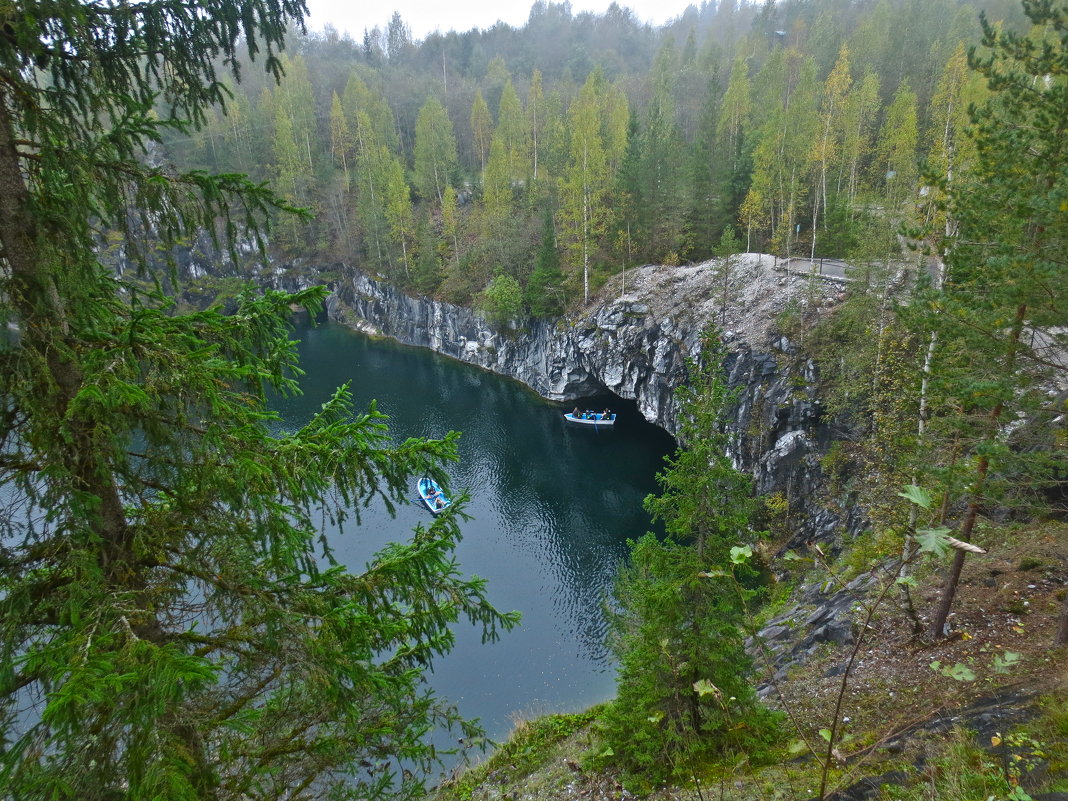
(635, 344)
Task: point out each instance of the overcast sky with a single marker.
(427, 16)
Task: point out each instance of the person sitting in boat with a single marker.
(438, 503)
(606, 415)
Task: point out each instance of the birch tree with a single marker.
(481, 130)
(826, 149)
(585, 182)
(435, 151)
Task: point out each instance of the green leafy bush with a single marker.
(502, 300)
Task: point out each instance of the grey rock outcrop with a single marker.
(820, 615)
(200, 258)
(635, 344)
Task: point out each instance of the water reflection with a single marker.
(553, 507)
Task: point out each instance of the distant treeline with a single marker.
(537, 161)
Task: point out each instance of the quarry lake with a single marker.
(552, 508)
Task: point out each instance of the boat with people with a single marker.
(588, 418)
(433, 496)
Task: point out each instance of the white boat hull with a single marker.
(590, 419)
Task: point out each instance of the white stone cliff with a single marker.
(635, 343)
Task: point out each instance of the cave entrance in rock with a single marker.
(627, 414)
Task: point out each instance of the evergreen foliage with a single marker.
(545, 290)
(1000, 311)
(783, 120)
(172, 626)
(682, 691)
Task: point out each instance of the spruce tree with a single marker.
(545, 287)
(683, 693)
(169, 625)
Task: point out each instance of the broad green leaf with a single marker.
(1005, 662)
(917, 495)
(741, 554)
(959, 672)
(704, 687)
(933, 540)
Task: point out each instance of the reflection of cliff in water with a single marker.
(552, 508)
(581, 504)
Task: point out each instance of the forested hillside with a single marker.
(544, 158)
(172, 622)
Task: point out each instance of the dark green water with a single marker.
(553, 506)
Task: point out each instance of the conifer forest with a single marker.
(173, 623)
(549, 156)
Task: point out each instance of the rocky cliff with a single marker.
(206, 273)
(634, 340)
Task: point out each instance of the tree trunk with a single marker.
(1061, 638)
(585, 226)
(46, 332)
(815, 222)
(949, 591)
(45, 328)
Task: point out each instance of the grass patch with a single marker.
(964, 771)
(532, 740)
(529, 746)
(1050, 730)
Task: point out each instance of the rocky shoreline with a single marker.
(635, 344)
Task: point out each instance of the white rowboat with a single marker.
(591, 418)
